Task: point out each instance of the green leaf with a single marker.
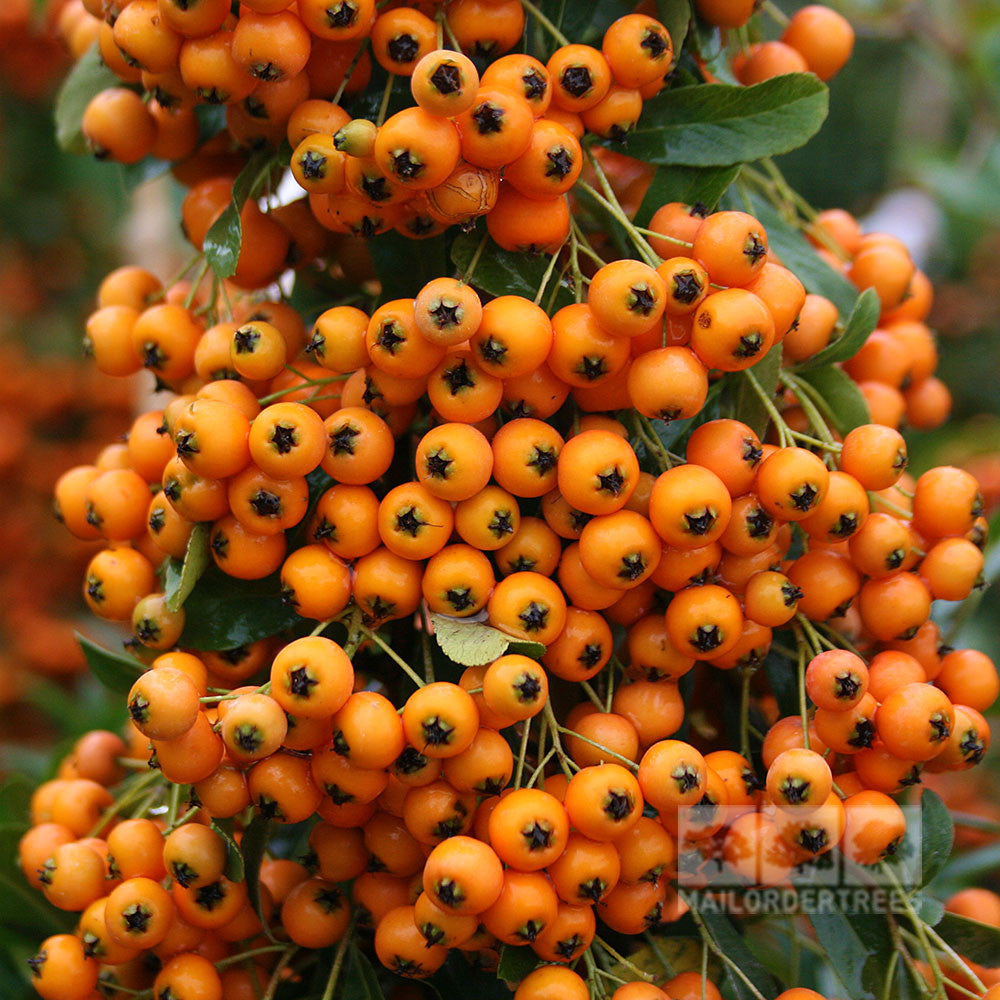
(710, 44)
(252, 848)
(689, 185)
(937, 833)
(234, 870)
(469, 643)
(858, 956)
(972, 939)
(516, 961)
(732, 944)
(225, 236)
(799, 255)
(931, 910)
(675, 16)
(404, 266)
(116, 672)
(223, 612)
(87, 79)
(844, 405)
(360, 979)
(501, 272)
(587, 22)
(861, 322)
(15, 799)
(718, 124)
(181, 576)
(740, 399)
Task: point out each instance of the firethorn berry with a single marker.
(597, 472)
(312, 677)
(672, 774)
(62, 969)
(515, 687)
(799, 778)
(626, 297)
(668, 383)
(791, 483)
(836, 679)
(704, 620)
(163, 703)
(689, 507)
(733, 329)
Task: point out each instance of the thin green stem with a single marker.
(338, 960)
(610, 203)
(565, 761)
(918, 925)
(275, 981)
(347, 74)
(768, 403)
(545, 277)
(654, 946)
(174, 804)
(960, 962)
(522, 752)
(540, 769)
(806, 399)
(624, 761)
(393, 655)
(574, 261)
(585, 244)
(274, 396)
(890, 974)
(474, 263)
(383, 107)
(723, 957)
(545, 22)
(801, 676)
(622, 960)
(196, 284)
(676, 241)
(132, 794)
(746, 676)
(225, 963)
(182, 819)
(592, 695)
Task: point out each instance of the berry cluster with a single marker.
(565, 502)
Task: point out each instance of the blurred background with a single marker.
(912, 146)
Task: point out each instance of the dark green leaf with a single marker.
(87, 79)
(134, 174)
(360, 980)
(116, 672)
(524, 647)
(516, 961)
(689, 185)
(225, 237)
(710, 43)
(783, 681)
(842, 403)
(799, 255)
(972, 939)
(675, 16)
(730, 942)
(740, 399)
(404, 266)
(719, 124)
(15, 798)
(224, 612)
(587, 22)
(234, 870)
(937, 833)
(861, 322)
(181, 576)
(969, 867)
(252, 847)
(457, 978)
(931, 910)
(858, 957)
(501, 272)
